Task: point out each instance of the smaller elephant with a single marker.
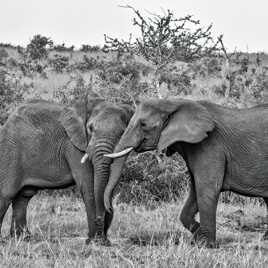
(224, 149)
(42, 146)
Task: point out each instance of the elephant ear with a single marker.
(188, 122)
(75, 128)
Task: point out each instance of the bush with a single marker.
(74, 88)
(37, 48)
(10, 94)
(207, 66)
(88, 64)
(62, 48)
(178, 81)
(3, 56)
(115, 72)
(29, 66)
(59, 62)
(88, 48)
(145, 180)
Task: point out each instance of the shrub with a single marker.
(29, 66)
(62, 48)
(37, 48)
(145, 180)
(3, 56)
(115, 72)
(178, 81)
(259, 84)
(74, 88)
(11, 93)
(207, 66)
(88, 48)
(59, 62)
(88, 63)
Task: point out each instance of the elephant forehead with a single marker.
(144, 112)
(104, 108)
(107, 113)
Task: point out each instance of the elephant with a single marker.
(47, 145)
(224, 149)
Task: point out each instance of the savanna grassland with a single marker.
(140, 237)
(146, 231)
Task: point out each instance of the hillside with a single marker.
(122, 76)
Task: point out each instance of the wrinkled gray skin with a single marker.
(224, 149)
(41, 146)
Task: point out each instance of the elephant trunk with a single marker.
(116, 170)
(129, 141)
(101, 176)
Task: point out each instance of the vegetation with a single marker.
(140, 237)
(37, 48)
(160, 62)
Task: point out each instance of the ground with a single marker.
(140, 237)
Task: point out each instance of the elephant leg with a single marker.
(4, 204)
(19, 221)
(207, 201)
(189, 210)
(208, 178)
(83, 176)
(107, 221)
(265, 236)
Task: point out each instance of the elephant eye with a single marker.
(143, 124)
(90, 127)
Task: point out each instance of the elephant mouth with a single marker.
(139, 149)
(95, 152)
(143, 147)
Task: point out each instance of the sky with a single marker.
(244, 23)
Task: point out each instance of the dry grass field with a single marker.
(140, 237)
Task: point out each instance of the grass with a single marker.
(140, 237)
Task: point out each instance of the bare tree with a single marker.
(165, 38)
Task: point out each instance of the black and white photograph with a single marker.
(134, 133)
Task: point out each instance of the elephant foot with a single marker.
(194, 227)
(201, 239)
(100, 240)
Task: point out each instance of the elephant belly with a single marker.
(247, 163)
(48, 173)
(52, 183)
(249, 182)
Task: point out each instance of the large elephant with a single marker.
(42, 146)
(224, 149)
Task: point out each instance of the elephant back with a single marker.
(34, 134)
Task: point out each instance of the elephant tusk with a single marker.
(119, 154)
(84, 158)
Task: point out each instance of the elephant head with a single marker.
(157, 124)
(97, 131)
